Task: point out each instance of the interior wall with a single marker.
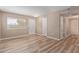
(53, 25)
(13, 32)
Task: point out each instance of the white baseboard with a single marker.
(49, 37)
(32, 34)
(66, 36)
(40, 34)
(14, 37)
(53, 38)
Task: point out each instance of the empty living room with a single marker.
(39, 29)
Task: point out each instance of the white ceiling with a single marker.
(32, 10)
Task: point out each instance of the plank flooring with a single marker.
(39, 44)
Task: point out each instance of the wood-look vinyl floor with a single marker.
(39, 44)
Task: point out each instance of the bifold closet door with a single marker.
(64, 27)
(0, 25)
(61, 27)
(31, 26)
(38, 25)
(74, 26)
(44, 26)
(0, 28)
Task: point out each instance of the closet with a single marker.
(69, 25)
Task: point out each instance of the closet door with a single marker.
(31, 26)
(39, 25)
(44, 26)
(74, 26)
(0, 30)
(61, 30)
(66, 27)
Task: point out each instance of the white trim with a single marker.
(66, 36)
(49, 37)
(40, 34)
(52, 38)
(32, 34)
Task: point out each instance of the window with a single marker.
(13, 23)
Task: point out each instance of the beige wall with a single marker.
(53, 25)
(13, 32)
